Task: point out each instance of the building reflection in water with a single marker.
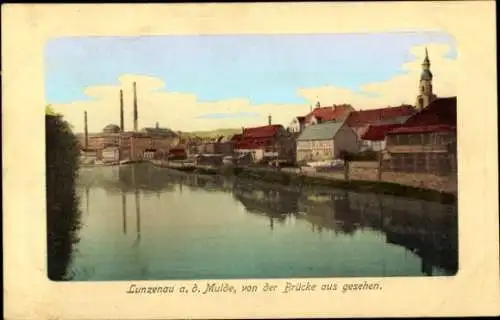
(423, 228)
(128, 182)
(124, 212)
(87, 200)
(138, 202)
(138, 214)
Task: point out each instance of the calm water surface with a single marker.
(145, 223)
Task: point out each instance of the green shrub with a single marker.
(63, 215)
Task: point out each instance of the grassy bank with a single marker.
(294, 179)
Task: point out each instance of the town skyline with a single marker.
(187, 111)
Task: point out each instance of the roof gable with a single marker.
(378, 132)
(366, 117)
(442, 111)
(422, 129)
(322, 131)
(236, 137)
(262, 132)
(332, 113)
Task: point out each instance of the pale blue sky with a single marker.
(262, 68)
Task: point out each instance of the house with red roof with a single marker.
(320, 115)
(375, 135)
(361, 120)
(426, 142)
(270, 141)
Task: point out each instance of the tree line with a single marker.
(63, 215)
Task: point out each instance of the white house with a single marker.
(111, 154)
(325, 141)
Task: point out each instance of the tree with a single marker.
(63, 214)
(49, 111)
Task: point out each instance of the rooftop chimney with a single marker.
(157, 125)
(318, 105)
(136, 116)
(122, 121)
(86, 130)
(269, 120)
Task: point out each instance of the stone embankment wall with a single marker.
(369, 171)
(363, 177)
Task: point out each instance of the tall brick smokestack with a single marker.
(122, 121)
(86, 132)
(136, 116)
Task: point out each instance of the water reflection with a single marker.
(138, 215)
(425, 229)
(124, 213)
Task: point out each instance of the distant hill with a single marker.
(212, 133)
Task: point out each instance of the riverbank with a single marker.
(110, 164)
(289, 178)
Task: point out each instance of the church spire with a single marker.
(426, 96)
(426, 74)
(427, 63)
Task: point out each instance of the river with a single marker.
(140, 222)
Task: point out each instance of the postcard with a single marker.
(250, 160)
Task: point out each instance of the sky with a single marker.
(204, 82)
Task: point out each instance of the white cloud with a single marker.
(401, 88)
(182, 111)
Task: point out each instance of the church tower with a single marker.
(425, 96)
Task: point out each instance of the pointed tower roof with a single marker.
(426, 59)
(426, 72)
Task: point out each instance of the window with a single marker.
(446, 138)
(420, 162)
(426, 138)
(440, 138)
(444, 164)
(397, 162)
(403, 139)
(414, 139)
(391, 140)
(407, 162)
(433, 162)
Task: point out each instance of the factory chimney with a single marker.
(122, 121)
(136, 116)
(86, 132)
